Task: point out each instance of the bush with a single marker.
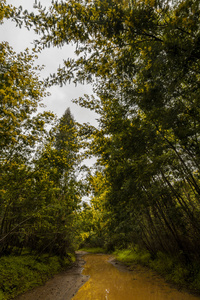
(171, 268)
(21, 273)
(163, 263)
(93, 250)
(133, 255)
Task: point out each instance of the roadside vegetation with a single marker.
(93, 250)
(21, 273)
(172, 268)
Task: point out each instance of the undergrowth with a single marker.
(133, 255)
(22, 273)
(171, 268)
(93, 250)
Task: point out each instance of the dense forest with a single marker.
(141, 57)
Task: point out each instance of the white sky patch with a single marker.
(61, 97)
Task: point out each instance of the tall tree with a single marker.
(142, 58)
(22, 130)
(60, 186)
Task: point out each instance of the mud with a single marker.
(105, 278)
(62, 286)
(111, 280)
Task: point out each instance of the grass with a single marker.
(171, 268)
(22, 273)
(133, 255)
(93, 250)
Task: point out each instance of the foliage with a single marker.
(21, 273)
(133, 255)
(23, 131)
(92, 216)
(142, 58)
(172, 268)
(39, 193)
(7, 11)
(93, 250)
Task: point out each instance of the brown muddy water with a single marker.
(110, 283)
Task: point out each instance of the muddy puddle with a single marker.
(110, 283)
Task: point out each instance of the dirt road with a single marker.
(108, 278)
(62, 286)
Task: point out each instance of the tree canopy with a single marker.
(39, 192)
(142, 59)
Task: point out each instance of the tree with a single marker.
(57, 190)
(142, 58)
(66, 141)
(23, 130)
(93, 216)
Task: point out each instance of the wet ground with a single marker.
(111, 280)
(105, 279)
(62, 286)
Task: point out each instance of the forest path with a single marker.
(62, 286)
(111, 280)
(105, 278)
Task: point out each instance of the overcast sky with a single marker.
(61, 97)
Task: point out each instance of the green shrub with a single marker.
(21, 273)
(171, 268)
(180, 274)
(196, 282)
(93, 250)
(163, 263)
(1, 295)
(133, 255)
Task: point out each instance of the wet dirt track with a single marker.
(105, 279)
(62, 286)
(112, 281)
